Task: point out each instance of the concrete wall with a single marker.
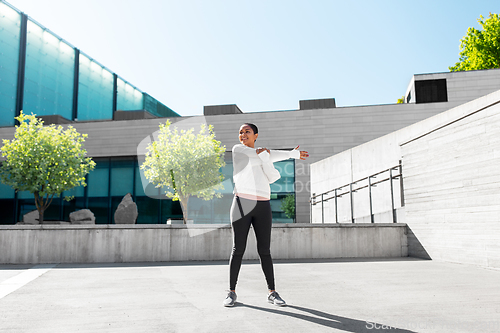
(452, 189)
(141, 243)
(451, 180)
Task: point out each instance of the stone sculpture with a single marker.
(31, 217)
(82, 216)
(126, 212)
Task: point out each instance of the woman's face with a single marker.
(247, 136)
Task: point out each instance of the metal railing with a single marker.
(394, 173)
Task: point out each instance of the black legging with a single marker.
(245, 212)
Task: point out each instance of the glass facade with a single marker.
(156, 108)
(95, 91)
(42, 74)
(128, 97)
(10, 30)
(49, 74)
(115, 177)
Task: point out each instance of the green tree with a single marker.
(288, 206)
(401, 100)
(44, 160)
(187, 164)
(480, 49)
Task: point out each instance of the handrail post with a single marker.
(311, 208)
(370, 197)
(401, 184)
(322, 209)
(336, 208)
(392, 197)
(352, 205)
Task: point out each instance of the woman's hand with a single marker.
(303, 153)
(260, 150)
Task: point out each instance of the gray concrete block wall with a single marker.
(146, 243)
(452, 189)
(451, 180)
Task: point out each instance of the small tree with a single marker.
(186, 163)
(480, 49)
(288, 206)
(45, 161)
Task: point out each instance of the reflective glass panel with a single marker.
(10, 28)
(286, 183)
(128, 98)
(25, 206)
(148, 209)
(48, 85)
(170, 210)
(122, 180)
(7, 207)
(6, 192)
(122, 176)
(98, 198)
(25, 195)
(95, 91)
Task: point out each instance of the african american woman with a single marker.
(253, 172)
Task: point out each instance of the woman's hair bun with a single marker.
(254, 128)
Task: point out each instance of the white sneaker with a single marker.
(275, 299)
(230, 299)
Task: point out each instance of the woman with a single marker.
(253, 172)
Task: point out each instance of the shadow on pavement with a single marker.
(330, 320)
(219, 262)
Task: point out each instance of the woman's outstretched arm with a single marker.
(281, 155)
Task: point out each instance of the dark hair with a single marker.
(253, 127)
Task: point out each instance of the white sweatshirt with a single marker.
(252, 172)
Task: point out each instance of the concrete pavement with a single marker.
(355, 295)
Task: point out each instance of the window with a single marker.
(431, 91)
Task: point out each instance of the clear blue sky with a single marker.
(264, 54)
